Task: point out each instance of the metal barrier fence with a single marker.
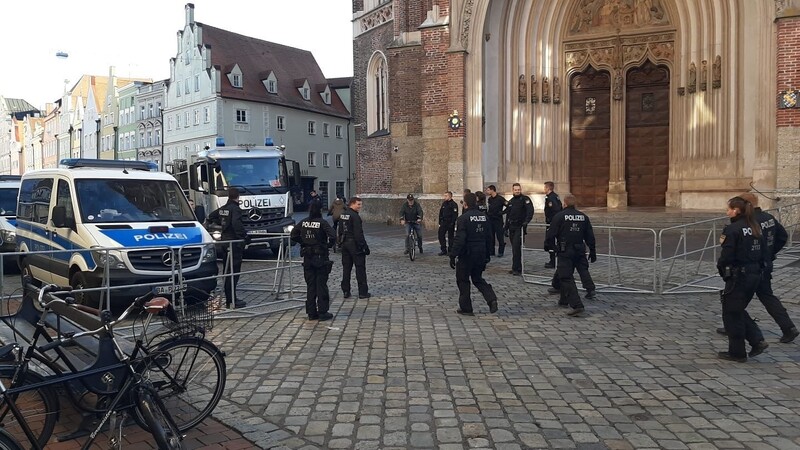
(176, 281)
(674, 260)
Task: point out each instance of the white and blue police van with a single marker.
(68, 218)
(9, 190)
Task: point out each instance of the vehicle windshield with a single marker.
(103, 201)
(248, 172)
(8, 202)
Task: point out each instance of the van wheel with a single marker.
(25, 274)
(78, 281)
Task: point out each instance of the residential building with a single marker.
(244, 90)
(90, 128)
(13, 112)
(129, 139)
(150, 98)
(668, 103)
(32, 150)
(49, 140)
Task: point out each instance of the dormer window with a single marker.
(271, 83)
(326, 95)
(237, 81)
(305, 90)
(235, 77)
(307, 93)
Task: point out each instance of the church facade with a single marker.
(665, 103)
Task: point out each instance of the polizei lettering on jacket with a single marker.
(477, 218)
(160, 237)
(344, 217)
(575, 217)
(311, 224)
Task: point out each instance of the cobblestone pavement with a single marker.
(403, 370)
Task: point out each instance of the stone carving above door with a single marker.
(601, 16)
(621, 51)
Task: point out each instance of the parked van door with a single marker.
(33, 233)
(63, 231)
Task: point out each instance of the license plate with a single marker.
(257, 232)
(169, 289)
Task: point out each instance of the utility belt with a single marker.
(313, 250)
(735, 272)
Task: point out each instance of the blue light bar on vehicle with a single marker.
(220, 141)
(268, 141)
(74, 163)
(10, 177)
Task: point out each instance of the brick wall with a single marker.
(788, 66)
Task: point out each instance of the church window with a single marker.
(377, 94)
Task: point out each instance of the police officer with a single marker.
(481, 199)
(552, 205)
(229, 219)
(776, 237)
(354, 248)
(315, 237)
(496, 204)
(570, 233)
(471, 247)
(744, 253)
(448, 213)
(518, 213)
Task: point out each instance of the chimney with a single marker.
(189, 13)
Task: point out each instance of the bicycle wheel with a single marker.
(412, 245)
(39, 407)
(155, 417)
(7, 442)
(189, 375)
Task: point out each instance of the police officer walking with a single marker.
(776, 237)
(448, 213)
(315, 237)
(570, 233)
(229, 219)
(519, 213)
(552, 205)
(354, 248)
(471, 247)
(744, 253)
(496, 204)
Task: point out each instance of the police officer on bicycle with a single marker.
(411, 215)
(569, 234)
(315, 237)
(228, 219)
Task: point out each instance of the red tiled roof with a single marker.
(256, 59)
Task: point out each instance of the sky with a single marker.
(138, 38)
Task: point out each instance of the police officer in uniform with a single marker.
(471, 247)
(496, 204)
(229, 220)
(519, 213)
(776, 237)
(354, 248)
(552, 205)
(570, 233)
(448, 213)
(741, 261)
(315, 237)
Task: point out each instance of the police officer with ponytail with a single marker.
(316, 237)
(741, 262)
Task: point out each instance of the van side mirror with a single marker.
(193, 177)
(59, 216)
(296, 172)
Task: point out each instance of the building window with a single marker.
(272, 87)
(377, 94)
(150, 110)
(141, 139)
(312, 127)
(241, 116)
(340, 189)
(158, 108)
(197, 83)
(186, 87)
(178, 90)
(281, 123)
(197, 117)
(339, 160)
(326, 160)
(158, 137)
(149, 138)
(177, 121)
(169, 123)
(186, 119)
(312, 159)
(237, 81)
(326, 129)
(323, 192)
(338, 131)
(207, 114)
(306, 93)
(141, 113)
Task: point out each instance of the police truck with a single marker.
(258, 172)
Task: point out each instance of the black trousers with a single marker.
(566, 265)
(738, 323)
(583, 273)
(552, 253)
(316, 269)
(351, 255)
(446, 230)
(515, 235)
(233, 254)
(471, 268)
(772, 304)
(497, 235)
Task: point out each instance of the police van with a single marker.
(68, 218)
(9, 189)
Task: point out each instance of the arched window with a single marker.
(377, 94)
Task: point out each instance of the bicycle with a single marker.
(165, 384)
(412, 240)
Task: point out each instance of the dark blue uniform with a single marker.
(776, 237)
(354, 251)
(740, 264)
(315, 237)
(496, 205)
(569, 234)
(552, 205)
(471, 247)
(519, 213)
(229, 219)
(448, 214)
